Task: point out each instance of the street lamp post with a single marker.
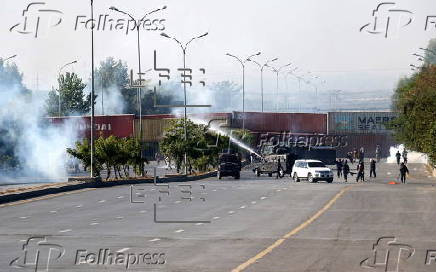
(242, 62)
(138, 24)
(262, 67)
(185, 115)
(59, 74)
(92, 91)
(277, 71)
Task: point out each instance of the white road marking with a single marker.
(216, 217)
(24, 217)
(102, 201)
(119, 217)
(53, 211)
(263, 197)
(389, 173)
(180, 230)
(119, 197)
(253, 202)
(142, 211)
(231, 212)
(123, 249)
(93, 224)
(23, 240)
(79, 206)
(242, 207)
(285, 188)
(66, 230)
(214, 190)
(199, 224)
(278, 190)
(177, 202)
(154, 240)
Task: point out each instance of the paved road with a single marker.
(252, 224)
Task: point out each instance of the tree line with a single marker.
(415, 101)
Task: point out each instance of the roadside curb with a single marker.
(74, 186)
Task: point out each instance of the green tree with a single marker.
(226, 95)
(415, 102)
(72, 97)
(12, 90)
(430, 56)
(201, 145)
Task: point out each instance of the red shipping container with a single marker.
(279, 122)
(117, 125)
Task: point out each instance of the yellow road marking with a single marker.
(277, 243)
(45, 197)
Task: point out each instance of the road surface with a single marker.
(252, 224)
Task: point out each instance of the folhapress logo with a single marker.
(387, 255)
(38, 254)
(37, 17)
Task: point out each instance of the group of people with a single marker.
(398, 155)
(343, 169)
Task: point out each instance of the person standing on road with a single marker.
(405, 156)
(361, 154)
(372, 169)
(398, 156)
(403, 171)
(355, 154)
(360, 172)
(377, 153)
(339, 167)
(346, 171)
(350, 156)
(279, 169)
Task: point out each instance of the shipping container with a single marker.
(153, 126)
(359, 122)
(278, 122)
(118, 125)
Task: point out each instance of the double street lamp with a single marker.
(242, 62)
(184, 48)
(262, 67)
(277, 71)
(59, 74)
(138, 25)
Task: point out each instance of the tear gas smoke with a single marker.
(412, 157)
(39, 149)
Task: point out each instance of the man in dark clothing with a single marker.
(372, 169)
(361, 154)
(350, 156)
(339, 167)
(403, 172)
(360, 172)
(398, 156)
(346, 171)
(279, 168)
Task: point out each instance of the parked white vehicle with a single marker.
(312, 170)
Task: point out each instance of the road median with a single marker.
(75, 184)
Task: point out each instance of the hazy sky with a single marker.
(321, 36)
